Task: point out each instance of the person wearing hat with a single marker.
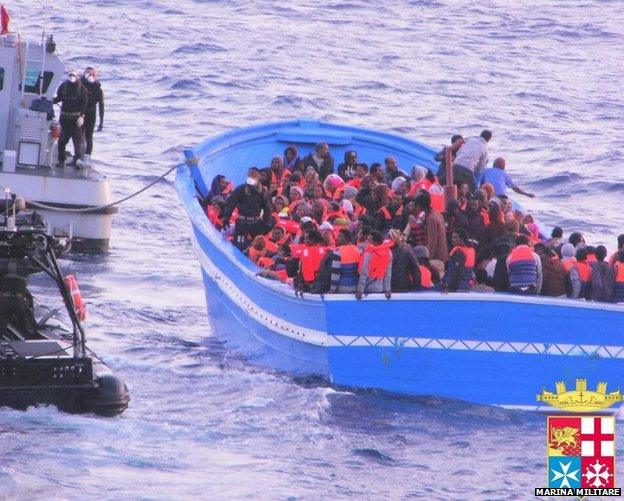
(252, 202)
(90, 81)
(74, 99)
(573, 279)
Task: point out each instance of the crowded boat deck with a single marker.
(379, 228)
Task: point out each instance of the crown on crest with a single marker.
(580, 399)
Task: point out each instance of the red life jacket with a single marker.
(437, 197)
(271, 246)
(290, 226)
(568, 263)
(359, 210)
(471, 257)
(485, 216)
(255, 255)
(591, 257)
(214, 217)
(349, 254)
(619, 282)
(379, 260)
(275, 180)
(425, 277)
(424, 184)
(584, 271)
(311, 257)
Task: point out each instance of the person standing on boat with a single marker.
(457, 141)
(321, 160)
(254, 210)
(434, 228)
(16, 304)
(525, 268)
(91, 82)
(471, 160)
(500, 179)
(74, 99)
(375, 267)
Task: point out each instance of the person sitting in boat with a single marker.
(405, 275)
(74, 99)
(553, 272)
(573, 281)
(321, 160)
(457, 141)
(310, 255)
(584, 271)
(428, 275)
(375, 267)
(498, 177)
(220, 187)
(454, 218)
(554, 242)
(345, 262)
(602, 286)
(361, 170)
(618, 269)
(292, 160)
(577, 240)
(390, 215)
(252, 202)
(16, 302)
(347, 169)
(460, 265)
(471, 160)
(392, 170)
(215, 212)
(475, 219)
(620, 247)
(377, 172)
(525, 268)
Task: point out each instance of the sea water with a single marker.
(544, 76)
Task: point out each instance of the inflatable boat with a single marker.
(486, 348)
(42, 360)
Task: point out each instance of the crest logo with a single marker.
(580, 399)
(580, 449)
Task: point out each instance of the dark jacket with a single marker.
(554, 275)
(326, 168)
(405, 269)
(602, 282)
(95, 97)
(73, 96)
(250, 201)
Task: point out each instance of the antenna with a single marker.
(7, 192)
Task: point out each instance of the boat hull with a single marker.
(495, 349)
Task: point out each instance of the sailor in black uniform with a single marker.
(16, 303)
(73, 96)
(254, 213)
(96, 100)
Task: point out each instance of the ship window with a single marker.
(1, 78)
(32, 81)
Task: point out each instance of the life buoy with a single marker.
(79, 306)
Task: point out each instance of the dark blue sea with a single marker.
(545, 75)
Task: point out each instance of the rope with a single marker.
(102, 207)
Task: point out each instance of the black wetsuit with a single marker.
(96, 100)
(73, 97)
(16, 305)
(251, 202)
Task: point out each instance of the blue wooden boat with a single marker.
(497, 349)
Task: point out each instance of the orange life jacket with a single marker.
(379, 260)
(311, 257)
(349, 254)
(485, 216)
(584, 271)
(437, 197)
(568, 263)
(255, 254)
(522, 267)
(619, 282)
(425, 277)
(469, 252)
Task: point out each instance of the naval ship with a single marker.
(74, 203)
